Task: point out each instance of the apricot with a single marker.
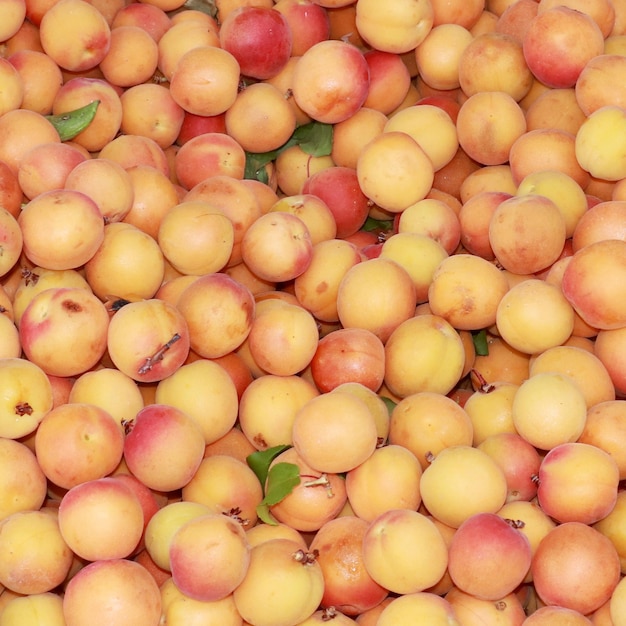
(577, 483)
(394, 171)
(348, 586)
(462, 474)
(488, 557)
(549, 409)
(389, 479)
(226, 486)
(318, 498)
(411, 425)
(423, 353)
(562, 555)
(334, 432)
(283, 584)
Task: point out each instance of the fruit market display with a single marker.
(312, 311)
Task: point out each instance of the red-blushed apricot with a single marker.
(334, 432)
(590, 265)
(519, 461)
(348, 355)
(488, 556)
(347, 584)
(206, 155)
(59, 320)
(75, 34)
(277, 246)
(331, 81)
(591, 471)
(454, 474)
(313, 211)
(119, 516)
(541, 41)
(567, 550)
(540, 230)
(151, 18)
(259, 38)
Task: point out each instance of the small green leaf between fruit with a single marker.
(259, 462)
(372, 225)
(389, 403)
(314, 138)
(281, 480)
(72, 123)
(481, 346)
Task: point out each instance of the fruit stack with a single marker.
(312, 311)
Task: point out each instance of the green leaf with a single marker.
(70, 124)
(389, 403)
(259, 462)
(315, 138)
(204, 6)
(479, 337)
(281, 480)
(372, 224)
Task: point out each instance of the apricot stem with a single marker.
(329, 613)
(306, 558)
(23, 408)
(158, 355)
(322, 480)
(515, 523)
(483, 385)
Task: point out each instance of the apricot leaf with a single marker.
(70, 124)
(389, 403)
(281, 480)
(204, 6)
(315, 138)
(259, 462)
(479, 337)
